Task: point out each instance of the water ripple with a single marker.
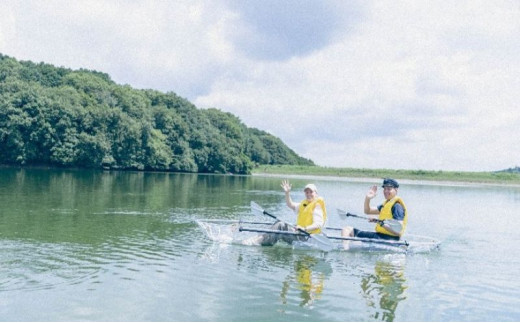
(33, 266)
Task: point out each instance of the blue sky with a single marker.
(375, 84)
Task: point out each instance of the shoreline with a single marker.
(417, 177)
(482, 179)
(377, 180)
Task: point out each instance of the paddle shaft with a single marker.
(389, 242)
(272, 231)
(236, 221)
(381, 222)
(320, 240)
(381, 241)
(255, 222)
(394, 225)
(293, 226)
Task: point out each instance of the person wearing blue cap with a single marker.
(392, 208)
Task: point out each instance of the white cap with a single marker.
(312, 187)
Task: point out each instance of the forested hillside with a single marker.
(81, 118)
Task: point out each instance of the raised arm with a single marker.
(287, 189)
(370, 195)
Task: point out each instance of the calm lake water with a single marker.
(124, 246)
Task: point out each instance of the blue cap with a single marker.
(390, 182)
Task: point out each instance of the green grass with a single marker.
(477, 177)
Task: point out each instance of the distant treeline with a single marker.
(512, 170)
(81, 118)
(511, 176)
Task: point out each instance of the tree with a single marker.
(62, 117)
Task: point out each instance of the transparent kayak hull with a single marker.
(229, 232)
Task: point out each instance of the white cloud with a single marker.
(170, 46)
(401, 84)
(418, 85)
(7, 26)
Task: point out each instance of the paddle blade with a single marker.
(345, 214)
(342, 214)
(258, 210)
(321, 242)
(394, 225)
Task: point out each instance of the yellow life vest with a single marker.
(386, 214)
(305, 213)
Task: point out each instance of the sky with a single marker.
(429, 85)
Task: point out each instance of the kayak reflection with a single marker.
(384, 289)
(308, 278)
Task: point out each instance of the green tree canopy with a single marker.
(80, 118)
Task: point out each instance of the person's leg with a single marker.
(347, 232)
(266, 239)
(253, 241)
(374, 235)
(271, 238)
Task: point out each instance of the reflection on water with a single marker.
(308, 277)
(384, 289)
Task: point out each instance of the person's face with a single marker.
(309, 194)
(390, 192)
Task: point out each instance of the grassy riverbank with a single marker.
(475, 177)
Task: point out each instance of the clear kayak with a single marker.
(244, 233)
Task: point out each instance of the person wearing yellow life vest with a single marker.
(393, 207)
(311, 217)
(311, 211)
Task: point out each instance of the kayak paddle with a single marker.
(380, 241)
(393, 224)
(290, 233)
(321, 240)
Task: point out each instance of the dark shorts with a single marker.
(269, 239)
(373, 235)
